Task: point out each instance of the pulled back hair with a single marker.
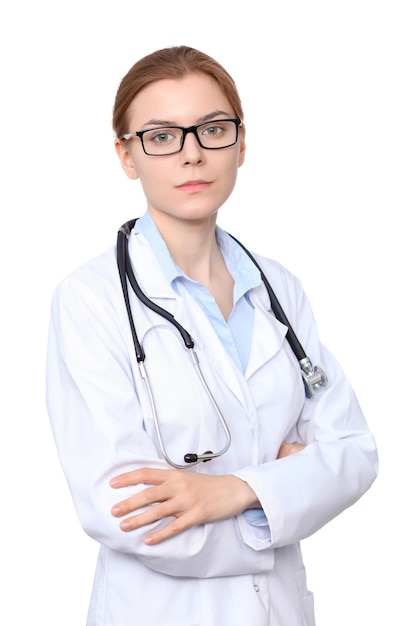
(169, 63)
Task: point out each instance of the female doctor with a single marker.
(197, 469)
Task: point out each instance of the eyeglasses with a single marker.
(164, 140)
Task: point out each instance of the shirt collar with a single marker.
(245, 274)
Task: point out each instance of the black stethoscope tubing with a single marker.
(125, 269)
(313, 377)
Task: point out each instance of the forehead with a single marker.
(180, 101)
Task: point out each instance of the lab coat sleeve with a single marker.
(97, 425)
(299, 494)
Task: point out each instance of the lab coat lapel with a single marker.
(268, 333)
(189, 314)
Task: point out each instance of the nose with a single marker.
(192, 153)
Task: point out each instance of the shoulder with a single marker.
(287, 287)
(95, 280)
(275, 272)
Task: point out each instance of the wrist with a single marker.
(247, 498)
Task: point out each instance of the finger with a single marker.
(127, 506)
(143, 476)
(152, 515)
(175, 527)
(146, 497)
(126, 479)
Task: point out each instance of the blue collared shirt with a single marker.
(235, 333)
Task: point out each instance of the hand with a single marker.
(289, 448)
(189, 497)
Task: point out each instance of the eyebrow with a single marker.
(200, 120)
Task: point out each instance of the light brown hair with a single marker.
(169, 63)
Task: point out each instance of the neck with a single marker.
(192, 244)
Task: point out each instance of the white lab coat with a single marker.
(237, 571)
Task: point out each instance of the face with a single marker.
(194, 183)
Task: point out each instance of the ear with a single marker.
(123, 152)
(242, 146)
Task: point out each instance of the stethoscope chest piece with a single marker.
(313, 377)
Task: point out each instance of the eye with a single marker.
(213, 130)
(162, 136)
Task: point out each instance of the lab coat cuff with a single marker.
(254, 529)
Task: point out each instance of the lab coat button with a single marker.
(256, 587)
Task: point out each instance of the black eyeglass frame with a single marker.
(185, 130)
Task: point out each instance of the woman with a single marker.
(212, 542)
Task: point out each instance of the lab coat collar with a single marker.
(148, 271)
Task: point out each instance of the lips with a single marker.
(193, 186)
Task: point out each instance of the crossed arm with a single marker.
(190, 498)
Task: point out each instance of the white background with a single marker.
(329, 93)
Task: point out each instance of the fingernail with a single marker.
(116, 510)
(149, 540)
(125, 525)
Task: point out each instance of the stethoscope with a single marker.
(313, 377)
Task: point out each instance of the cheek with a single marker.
(154, 180)
(148, 170)
(230, 170)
